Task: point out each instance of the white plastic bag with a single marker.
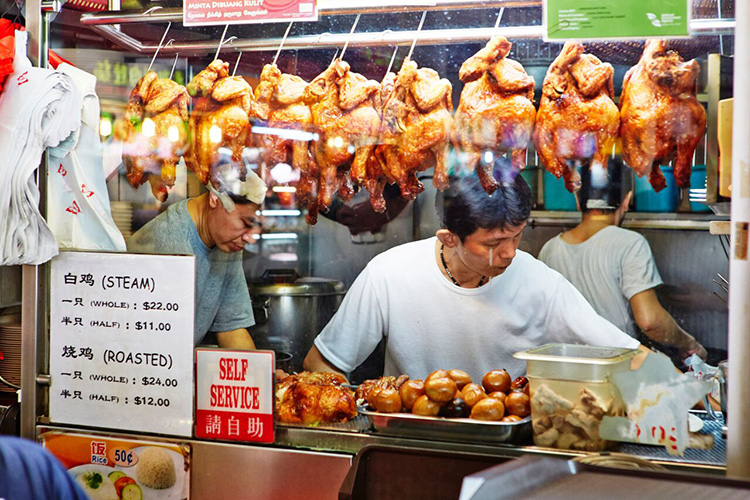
(78, 210)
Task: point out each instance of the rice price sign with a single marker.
(221, 12)
(235, 395)
(121, 341)
(599, 19)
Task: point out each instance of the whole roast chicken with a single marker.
(279, 104)
(662, 119)
(220, 119)
(344, 113)
(154, 132)
(314, 397)
(496, 112)
(577, 122)
(375, 175)
(416, 130)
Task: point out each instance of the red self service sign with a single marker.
(235, 395)
(211, 12)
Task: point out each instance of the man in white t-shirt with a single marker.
(613, 267)
(465, 299)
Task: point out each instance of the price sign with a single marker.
(220, 12)
(121, 342)
(600, 19)
(235, 395)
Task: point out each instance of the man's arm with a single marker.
(315, 362)
(660, 326)
(239, 339)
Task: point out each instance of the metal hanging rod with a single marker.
(384, 38)
(325, 8)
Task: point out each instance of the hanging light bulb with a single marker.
(105, 127)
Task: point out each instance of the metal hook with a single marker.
(237, 63)
(335, 54)
(393, 58)
(414, 42)
(351, 32)
(152, 9)
(174, 64)
(159, 47)
(221, 42)
(286, 33)
(499, 17)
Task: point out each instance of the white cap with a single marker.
(227, 180)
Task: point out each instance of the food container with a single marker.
(556, 197)
(571, 393)
(291, 311)
(648, 200)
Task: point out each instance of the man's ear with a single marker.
(447, 238)
(213, 200)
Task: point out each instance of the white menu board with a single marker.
(121, 341)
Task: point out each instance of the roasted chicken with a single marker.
(375, 175)
(416, 128)
(279, 104)
(314, 397)
(496, 112)
(577, 122)
(219, 120)
(661, 118)
(345, 116)
(154, 132)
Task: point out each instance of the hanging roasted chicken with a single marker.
(662, 119)
(416, 128)
(220, 119)
(314, 397)
(375, 175)
(496, 112)
(154, 132)
(280, 106)
(345, 116)
(577, 122)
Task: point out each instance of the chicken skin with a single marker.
(496, 112)
(344, 114)
(154, 133)
(577, 122)
(662, 119)
(416, 129)
(375, 175)
(309, 398)
(220, 119)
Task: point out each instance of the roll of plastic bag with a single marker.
(39, 108)
(78, 209)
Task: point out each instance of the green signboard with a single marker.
(599, 19)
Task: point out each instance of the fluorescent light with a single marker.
(278, 236)
(284, 189)
(281, 213)
(286, 133)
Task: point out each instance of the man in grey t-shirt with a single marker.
(613, 267)
(214, 227)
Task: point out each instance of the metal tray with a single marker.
(462, 430)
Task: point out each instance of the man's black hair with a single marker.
(239, 200)
(467, 207)
(602, 191)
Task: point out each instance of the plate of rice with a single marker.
(160, 472)
(94, 481)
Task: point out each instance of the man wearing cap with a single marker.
(613, 267)
(214, 227)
